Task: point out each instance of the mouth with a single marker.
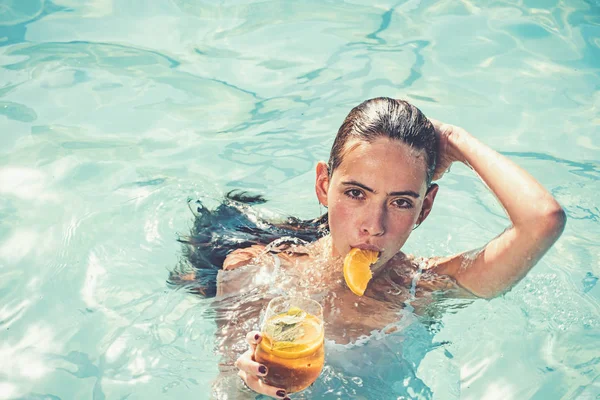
(371, 247)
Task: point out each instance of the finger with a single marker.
(247, 364)
(439, 126)
(253, 338)
(260, 387)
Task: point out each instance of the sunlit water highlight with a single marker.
(114, 113)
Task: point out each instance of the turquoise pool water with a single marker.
(114, 113)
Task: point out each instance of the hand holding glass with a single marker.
(292, 344)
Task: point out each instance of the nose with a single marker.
(374, 221)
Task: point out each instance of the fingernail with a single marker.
(281, 393)
(286, 398)
(257, 336)
(263, 370)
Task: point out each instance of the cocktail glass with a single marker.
(292, 344)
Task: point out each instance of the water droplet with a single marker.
(358, 381)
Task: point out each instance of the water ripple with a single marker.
(114, 113)
(17, 112)
(15, 15)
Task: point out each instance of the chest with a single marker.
(347, 317)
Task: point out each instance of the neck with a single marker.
(324, 250)
(394, 260)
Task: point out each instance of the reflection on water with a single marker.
(15, 15)
(115, 113)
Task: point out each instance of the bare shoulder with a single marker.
(240, 257)
(284, 249)
(424, 273)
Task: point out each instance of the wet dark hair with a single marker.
(385, 117)
(233, 225)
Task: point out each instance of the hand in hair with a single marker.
(447, 153)
(537, 219)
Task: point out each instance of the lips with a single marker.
(366, 246)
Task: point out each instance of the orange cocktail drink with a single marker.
(292, 344)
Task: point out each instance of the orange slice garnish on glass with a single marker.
(304, 345)
(357, 271)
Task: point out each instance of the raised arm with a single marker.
(537, 218)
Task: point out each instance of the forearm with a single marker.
(537, 221)
(525, 200)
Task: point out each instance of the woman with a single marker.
(377, 188)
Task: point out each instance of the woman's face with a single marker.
(375, 197)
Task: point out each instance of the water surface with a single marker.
(114, 113)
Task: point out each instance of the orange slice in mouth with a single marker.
(357, 269)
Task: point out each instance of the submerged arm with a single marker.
(537, 218)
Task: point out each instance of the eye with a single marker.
(402, 203)
(355, 194)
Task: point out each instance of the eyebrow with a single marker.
(410, 193)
